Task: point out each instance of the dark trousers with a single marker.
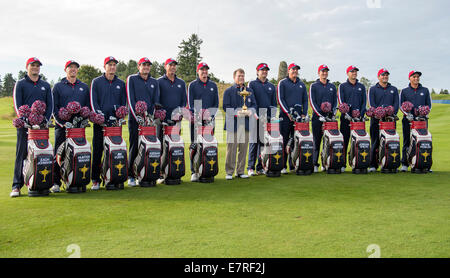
(375, 141)
(254, 151)
(60, 137)
(97, 152)
(317, 135)
(287, 131)
(133, 129)
(21, 155)
(345, 130)
(406, 140)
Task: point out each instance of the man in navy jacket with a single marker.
(140, 87)
(418, 96)
(107, 94)
(26, 91)
(352, 93)
(67, 90)
(381, 94)
(202, 94)
(172, 89)
(321, 91)
(265, 96)
(291, 91)
(237, 124)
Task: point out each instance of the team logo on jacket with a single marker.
(179, 86)
(421, 94)
(81, 89)
(152, 86)
(42, 88)
(301, 86)
(392, 92)
(212, 89)
(118, 87)
(331, 89)
(359, 89)
(270, 89)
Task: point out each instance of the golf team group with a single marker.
(169, 92)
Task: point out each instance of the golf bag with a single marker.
(333, 153)
(359, 152)
(147, 165)
(114, 164)
(74, 159)
(204, 153)
(172, 165)
(38, 166)
(389, 149)
(420, 148)
(272, 155)
(300, 148)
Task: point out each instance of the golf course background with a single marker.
(406, 215)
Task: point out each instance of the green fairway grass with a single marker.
(406, 215)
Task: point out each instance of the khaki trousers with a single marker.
(236, 141)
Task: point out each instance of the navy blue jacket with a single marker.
(265, 93)
(379, 96)
(65, 92)
(172, 94)
(319, 93)
(418, 97)
(139, 89)
(26, 92)
(206, 92)
(292, 93)
(232, 99)
(353, 95)
(107, 96)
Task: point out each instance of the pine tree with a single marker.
(8, 85)
(282, 70)
(188, 58)
(87, 72)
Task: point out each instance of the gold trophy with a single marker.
(244, 94)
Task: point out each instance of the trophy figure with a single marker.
(244, 111)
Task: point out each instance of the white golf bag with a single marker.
(333, 153)
(301, 151)
(359, 152)
(389, 150)
(38, 166)
(74, 159)
(114, 164)
(172, 165)
(272, 149)
(420, 148)
(147, 165)
(205, 154)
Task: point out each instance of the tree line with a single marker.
(188, 58)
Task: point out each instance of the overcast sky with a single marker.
(398, 35)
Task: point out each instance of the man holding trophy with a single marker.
(239, 104)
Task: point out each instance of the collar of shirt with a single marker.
(296, 80)
(201, 82)
(318, 81)
(239, 88)
(148, 77)
(27, 78)
(167, 78)
(110, 81)
(381, 87)
(264, 83)
(68, 83)
(356, 83)
(418, 87)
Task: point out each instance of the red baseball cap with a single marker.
(262, 66)
(144, 60)
(414, 72)
(33, 60)
(170, 61)
(383, 70)
(293, 65)
(109, 59)
(323, 67)
(350, 68)
(70, 62)
(202, 65)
